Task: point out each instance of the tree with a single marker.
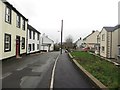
(69, 42)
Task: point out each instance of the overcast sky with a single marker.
(80, 16)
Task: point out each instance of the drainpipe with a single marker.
(111, 47)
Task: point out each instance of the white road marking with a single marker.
(19, 69)
(53, 73)
(6, 75)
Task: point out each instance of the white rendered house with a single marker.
(33, 40)
(13, 28)
(46, 44)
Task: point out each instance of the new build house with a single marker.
(46, 43)
(13, 28)
(33, 40)
(91, 40)
(108, 39)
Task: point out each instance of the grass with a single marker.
(104, 71)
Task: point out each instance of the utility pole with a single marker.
(61, 34)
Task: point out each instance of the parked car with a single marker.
(85, 49)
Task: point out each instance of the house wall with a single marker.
(91, 40)
(13, 30)
(1, 38)
(103, 43)
(79, 43)
(114, 51)
(31, 41)
(44, 43)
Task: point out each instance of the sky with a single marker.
(80, 17)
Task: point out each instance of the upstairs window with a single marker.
(8, 15)
(103, 37)
(7, 42)
(23, 43)
(34, 35)
(18, 21)
(38, 36)
(23, 24)
(30, 34)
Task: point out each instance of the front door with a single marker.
(17, 46)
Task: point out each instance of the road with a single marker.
(35, 71)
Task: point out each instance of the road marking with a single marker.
(6, 75)
(53, 73)
(21, 68)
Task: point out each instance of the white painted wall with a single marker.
(13, 30)
(79, 43)
(44, 43)
(31, 41)
(1, 38)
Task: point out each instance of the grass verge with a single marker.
(104, 71)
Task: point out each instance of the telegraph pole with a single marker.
(61, 34)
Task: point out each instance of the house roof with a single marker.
(33, 29)
(90, 34)
(111, 29)
(13, 8)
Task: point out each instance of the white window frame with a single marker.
(23, 24)
(7, 41)
(8, 15)
(18, 21)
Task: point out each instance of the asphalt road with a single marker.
(68, 76)
(35, 71)
(32, 71)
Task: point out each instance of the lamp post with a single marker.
(61, 34)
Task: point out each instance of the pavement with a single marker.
(68, 76)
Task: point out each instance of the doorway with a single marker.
(17, 46)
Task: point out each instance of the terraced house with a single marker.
(33, 40)
(109, 40)
(13, 28)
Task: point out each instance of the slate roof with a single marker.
(111, 29)
(33, 29)
(13, 8)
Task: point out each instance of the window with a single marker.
(119, 51)
(8, 15)
(18, 21)
(103, 48)
(30, 34)
(23, 43)
(7, 42)
(33, 46)
(33, 35)
(29, 47)
(37, 46)
(23, 24)
(103, 37)
(38, 36)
